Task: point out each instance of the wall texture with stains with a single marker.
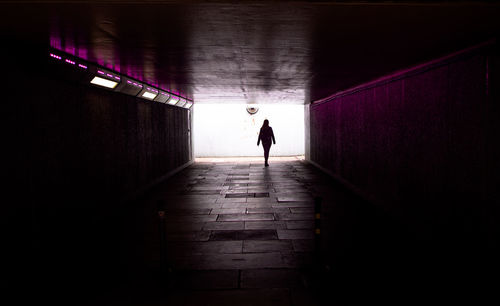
(421, 143)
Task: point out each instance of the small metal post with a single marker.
(317, 229)
(163, 241)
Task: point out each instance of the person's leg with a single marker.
(266, 153)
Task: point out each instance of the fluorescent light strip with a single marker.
(103, 82)
(173, 100)
(149, 95)
(134, 83)
(112, 84)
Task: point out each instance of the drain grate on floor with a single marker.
(248, 195)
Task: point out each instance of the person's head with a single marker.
(266, 123)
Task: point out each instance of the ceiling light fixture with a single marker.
(252, 110)
(173, 100)
(100, 76)
(55, 56)
(103, 82)
(162, 97)
(148, 95)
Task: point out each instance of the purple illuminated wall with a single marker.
(422, 144)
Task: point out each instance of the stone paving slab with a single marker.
(204, 247)
(268, 210)
(261, 297)
(303, 245)
(262, 234)
(256, 246)
(226, 211)
(188, 236)
(231, 200)
(206, 279)
(176, 226)
(188, 211)
(299, 224)
(302, 210)
(295, 234)
(250, 225)
(190, 218)
(293, 199)
(291, 216)
(294, 204)
(237, 225)
(246, 217)
(235, 261)
(271, 278)
(247, 205)
(269, 199)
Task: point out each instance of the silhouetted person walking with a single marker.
(266, 134)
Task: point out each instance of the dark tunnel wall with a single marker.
(76, 153)
(422, 145)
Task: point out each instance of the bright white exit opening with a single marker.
(229, 130)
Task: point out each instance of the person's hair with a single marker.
(265, 124)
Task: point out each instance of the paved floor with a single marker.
(241, 228)
(237, 233)
(230, 233)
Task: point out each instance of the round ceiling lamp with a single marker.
(252, 110)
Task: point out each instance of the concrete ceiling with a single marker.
(287, 52)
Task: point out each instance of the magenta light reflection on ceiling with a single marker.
(70, 46)
(173, 96)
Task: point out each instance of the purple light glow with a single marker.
(82, 66)
(55, 43)
(70, 62)
(99, 71)
(82, 53)
(117, 77)
(55, 56)
(70, 50)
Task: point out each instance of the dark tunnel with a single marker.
(390, 193)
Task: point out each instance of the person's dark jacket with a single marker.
(265, 135)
